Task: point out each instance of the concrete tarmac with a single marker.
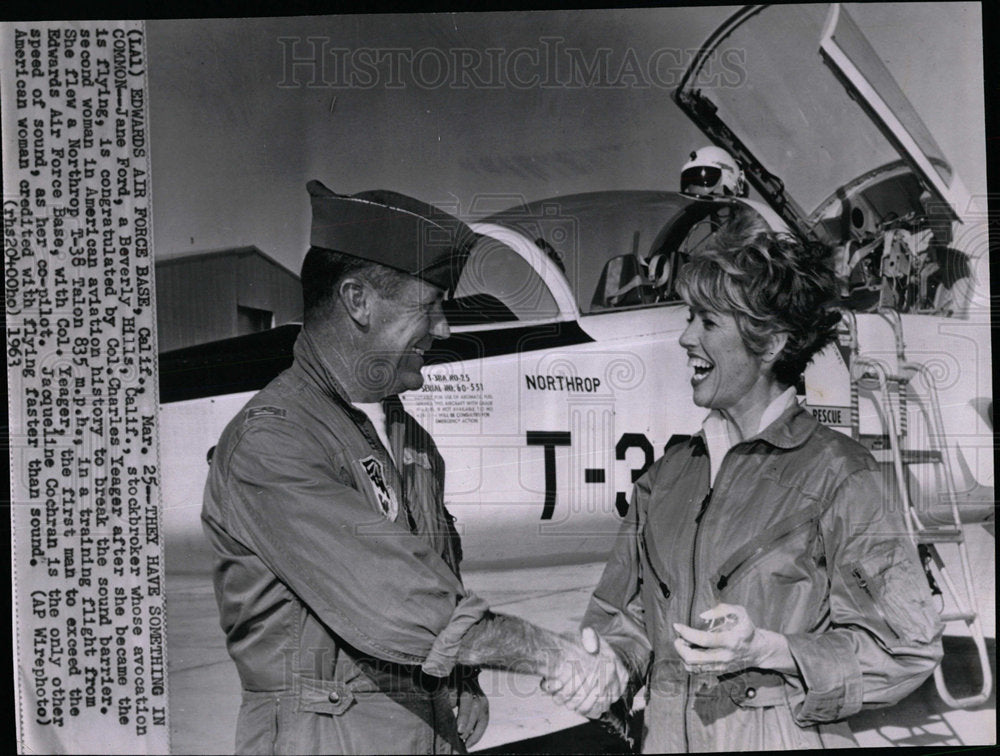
(204, 687)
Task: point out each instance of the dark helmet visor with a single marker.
(701, 179)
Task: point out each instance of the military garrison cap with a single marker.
(391, 229)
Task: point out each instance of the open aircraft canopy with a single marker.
(818, 118)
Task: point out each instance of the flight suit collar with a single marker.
(790, 430)
(311, 361)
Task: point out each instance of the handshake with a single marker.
(586, 676)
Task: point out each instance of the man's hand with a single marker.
(731, 643)
(473, 710)
(587, 677)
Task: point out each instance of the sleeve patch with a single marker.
(255, 412)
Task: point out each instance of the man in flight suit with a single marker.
(337, 571)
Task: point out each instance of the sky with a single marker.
(470, 111)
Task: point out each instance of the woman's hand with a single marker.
(733, 643)
(589, 678)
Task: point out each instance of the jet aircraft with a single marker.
(563, 379)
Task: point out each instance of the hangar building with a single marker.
(222, 293)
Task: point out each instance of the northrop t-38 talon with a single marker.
(563, 379)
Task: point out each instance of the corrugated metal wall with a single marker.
(265, 285)
(197, 295)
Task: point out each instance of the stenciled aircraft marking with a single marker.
(549, 440)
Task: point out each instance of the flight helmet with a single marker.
(712, 172)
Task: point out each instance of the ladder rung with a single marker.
(940, 536)
(910, 456)
(958, 616)
(901, 378)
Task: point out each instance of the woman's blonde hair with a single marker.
(770, 283)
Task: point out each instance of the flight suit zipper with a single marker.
(690, 613)
(702, 509)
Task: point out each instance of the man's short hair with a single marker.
(324, 269)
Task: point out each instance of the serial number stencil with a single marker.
(87, 556)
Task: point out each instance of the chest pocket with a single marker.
(656, 588)
(779, 575)
(766, 542)
(656, 575)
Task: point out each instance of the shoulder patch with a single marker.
(255, 412)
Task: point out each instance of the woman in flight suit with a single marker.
(763, 586)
